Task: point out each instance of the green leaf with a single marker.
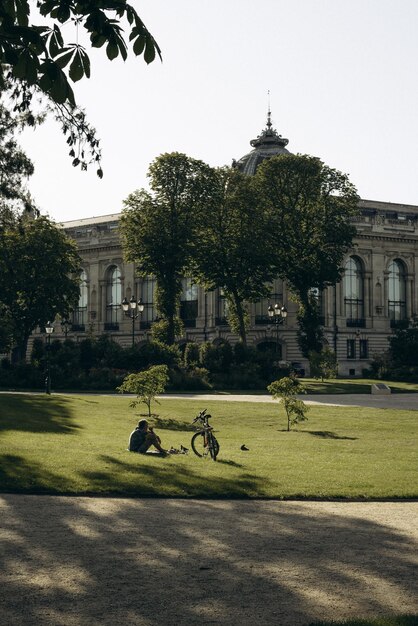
(149, 54)
(97, 40)
(139, 45)
(112, 51)
(76, 68)
(22, 12)
(65, 58)
(56, 42)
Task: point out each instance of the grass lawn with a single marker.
(77, 445)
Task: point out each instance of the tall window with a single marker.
(275, 297)
(351, 348)
(113, 298)
(80, 312)
(188, 302)
(221, 308)
(353, 285)
(396, 292)
(364, 349)
(148, 296)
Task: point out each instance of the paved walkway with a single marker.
(106, 561)
(407, 401)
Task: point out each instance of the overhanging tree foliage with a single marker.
(39, 276)
(310, 208)
(15, 166)
(158, 228)
(35, 58)
(232, 251)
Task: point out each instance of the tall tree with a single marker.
(158, 227)
(39, 269)
(15, 166)
(310, 206)
(232, 250)
(35, 59)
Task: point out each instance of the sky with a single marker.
(342, 77)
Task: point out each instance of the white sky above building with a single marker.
(343, 86)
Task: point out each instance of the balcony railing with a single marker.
(399, 323)
(191, 323)
(111, 326)
(262, 319)
(353, 322)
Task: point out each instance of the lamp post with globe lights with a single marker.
(279, 315)
(133, 310)
(49, 329)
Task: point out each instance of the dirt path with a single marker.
(90, 561)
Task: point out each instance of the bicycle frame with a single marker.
(210, 443)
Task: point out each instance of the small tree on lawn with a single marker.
(146, 385)
(323, 364)
(285, 390)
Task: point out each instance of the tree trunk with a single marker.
(242, 331)
(171, 336)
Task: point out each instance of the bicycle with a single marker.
(204, 442)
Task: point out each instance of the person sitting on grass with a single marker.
(143, 437)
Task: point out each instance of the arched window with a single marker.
(80, 312)
(353, 286)
(396, 292)
(113, 298)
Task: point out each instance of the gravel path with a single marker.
(106, 561)
(407, 401)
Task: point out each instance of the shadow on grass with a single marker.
(156, 479)
(328, 434)
(116, 561)
(231, 463)
(36, 414)
(324, 434)
(19, 476)
(168, 423)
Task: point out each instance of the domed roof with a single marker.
(269, 143)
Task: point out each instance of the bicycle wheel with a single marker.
(213, 446)
(199, 444)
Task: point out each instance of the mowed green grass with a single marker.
(77, 445)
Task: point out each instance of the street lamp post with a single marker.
(279, 315)
(49, 329)
(65, 325)
(133, 310)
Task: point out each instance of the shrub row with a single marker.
(102, 364)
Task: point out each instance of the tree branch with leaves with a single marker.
(35, 58)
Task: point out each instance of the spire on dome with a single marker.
(268, 143)
(269, 124)
(269, 136)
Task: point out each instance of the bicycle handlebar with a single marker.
(202, 415)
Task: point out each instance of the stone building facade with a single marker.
(378, 291)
